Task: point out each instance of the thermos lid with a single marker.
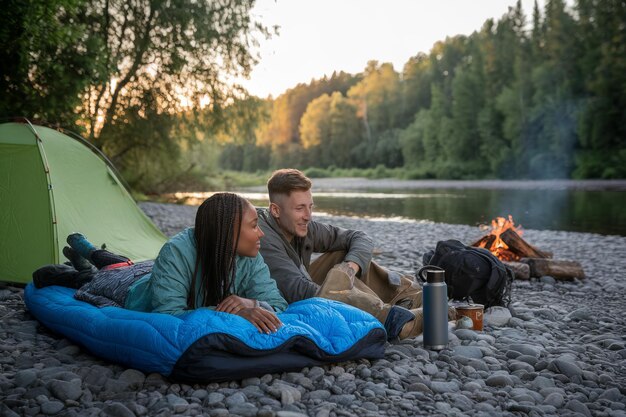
(434, 276)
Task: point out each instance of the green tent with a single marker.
(51, 185)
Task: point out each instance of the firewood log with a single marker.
(519, 246)
(521, 270)
(484, 242)
(561, 269)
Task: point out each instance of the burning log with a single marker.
(519, 246)
(563, 270)
(521, 270)
(485, 241)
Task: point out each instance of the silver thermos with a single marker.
(435, 304)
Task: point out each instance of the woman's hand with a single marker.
(265, 321)
(233, 304)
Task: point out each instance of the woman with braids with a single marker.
(215, 264)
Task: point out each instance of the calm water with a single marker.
(601, 212)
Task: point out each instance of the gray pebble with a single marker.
(52, 407)
(468, 352)
(25, 377)
(555, 399)
(499, 381)
(215, 397)
(578, 407)
(117, 410)
(526, 349)
(65, 390)
(565, 367)
(244, 409)
(442, 387)
(235, 399)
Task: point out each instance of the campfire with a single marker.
(504, 240)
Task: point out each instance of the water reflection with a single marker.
(575, 210)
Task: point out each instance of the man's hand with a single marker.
(266, 321)
(233, 304)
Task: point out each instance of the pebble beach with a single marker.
(560, 349)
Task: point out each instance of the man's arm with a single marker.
(329, 238)
(292, 282)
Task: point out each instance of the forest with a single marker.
(148, 82)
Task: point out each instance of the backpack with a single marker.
(472, 273)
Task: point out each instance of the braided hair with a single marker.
(217, 226)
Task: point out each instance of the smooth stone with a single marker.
(177, 403)
(468, 352)
(200, 394)
(499, 381)
(215, 397)
(245, 409)
(526, 349)
(25, 377)
(235, 399)
(442, 387)
(289, 395)
(319, 395)
(464, 323)
(555, 399)
(133, 378)
(565, 367)
(466, 334)
(497, 316)
(531, 360)
(419, 387)
(612, 394)
(52, 407)
(370, 406)
(65, 390)
(547, 279)
(580, 314)
(472, 386)
(578, 407)
(284, 413)
(518, 365)
(461, 402)
(117, 410)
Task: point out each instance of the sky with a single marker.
(317, 37)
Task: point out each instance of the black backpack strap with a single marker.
(418, 274)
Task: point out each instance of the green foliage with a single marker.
(512, 100)
(47, 58)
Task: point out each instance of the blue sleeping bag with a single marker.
(204, 345)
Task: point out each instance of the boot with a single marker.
(102, 258)
(80, 244)
(339, 285)
(77, 261)
(337, 281)
(410, 298)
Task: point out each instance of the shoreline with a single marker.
(561, 350)
(358, 183)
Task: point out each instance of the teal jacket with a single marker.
(166, 288)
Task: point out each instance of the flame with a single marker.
(497, 245)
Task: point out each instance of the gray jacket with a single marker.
(289, 263)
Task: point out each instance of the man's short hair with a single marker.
(285, 181)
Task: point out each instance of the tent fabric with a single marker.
(52, 185)
(205, 345)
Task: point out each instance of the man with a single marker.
(291, 237)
